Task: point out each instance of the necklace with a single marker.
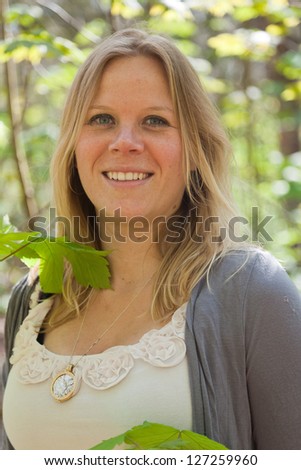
(66, 384)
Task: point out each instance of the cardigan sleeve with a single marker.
(272, 315)
(16, 312)
(243, 338)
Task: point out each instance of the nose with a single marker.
(127, 141)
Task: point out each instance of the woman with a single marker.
(197, 332)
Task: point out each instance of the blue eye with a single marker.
(156, 121)
(105, 120)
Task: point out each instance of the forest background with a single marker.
(248, 56)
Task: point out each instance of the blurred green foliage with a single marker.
(247, 54)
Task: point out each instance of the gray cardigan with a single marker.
(243, 338)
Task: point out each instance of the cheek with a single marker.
(171, 152)
(173, 159)
(86, 151)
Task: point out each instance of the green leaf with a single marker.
(228, 44)
(150, 435)
(290, 65)
(90, 266)
(96, 271)
(51, 269)
(110, 444)
(25, 15)
(245, 13)
(198, 441)
(173, 23)
(159, 436)
(16, 244)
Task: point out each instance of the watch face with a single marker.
(64, 386)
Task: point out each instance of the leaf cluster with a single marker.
(89, 266)
(151, 436)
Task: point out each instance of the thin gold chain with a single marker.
(107, 330)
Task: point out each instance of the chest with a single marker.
(101, 326)
(118, 388)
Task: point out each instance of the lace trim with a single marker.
(163, 347)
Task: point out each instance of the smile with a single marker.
(128, 176)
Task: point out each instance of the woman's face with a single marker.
(129, 154)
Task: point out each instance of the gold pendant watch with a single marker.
(64, 385)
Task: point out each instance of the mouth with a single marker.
(126, 176)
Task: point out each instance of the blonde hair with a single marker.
(206, 161)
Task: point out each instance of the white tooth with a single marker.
(129, 176)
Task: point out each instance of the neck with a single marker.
(132, 263)
(133, 256)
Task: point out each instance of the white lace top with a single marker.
(119, 388)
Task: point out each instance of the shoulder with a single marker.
(245, 279)
(242, 265)
(25, 292)
(249, 269)
(257, 274)
(21, 292)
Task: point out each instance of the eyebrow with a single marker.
(150, 108)
(160, 108)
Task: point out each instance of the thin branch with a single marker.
(14, 112)
(14, 252)
(68, 19)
